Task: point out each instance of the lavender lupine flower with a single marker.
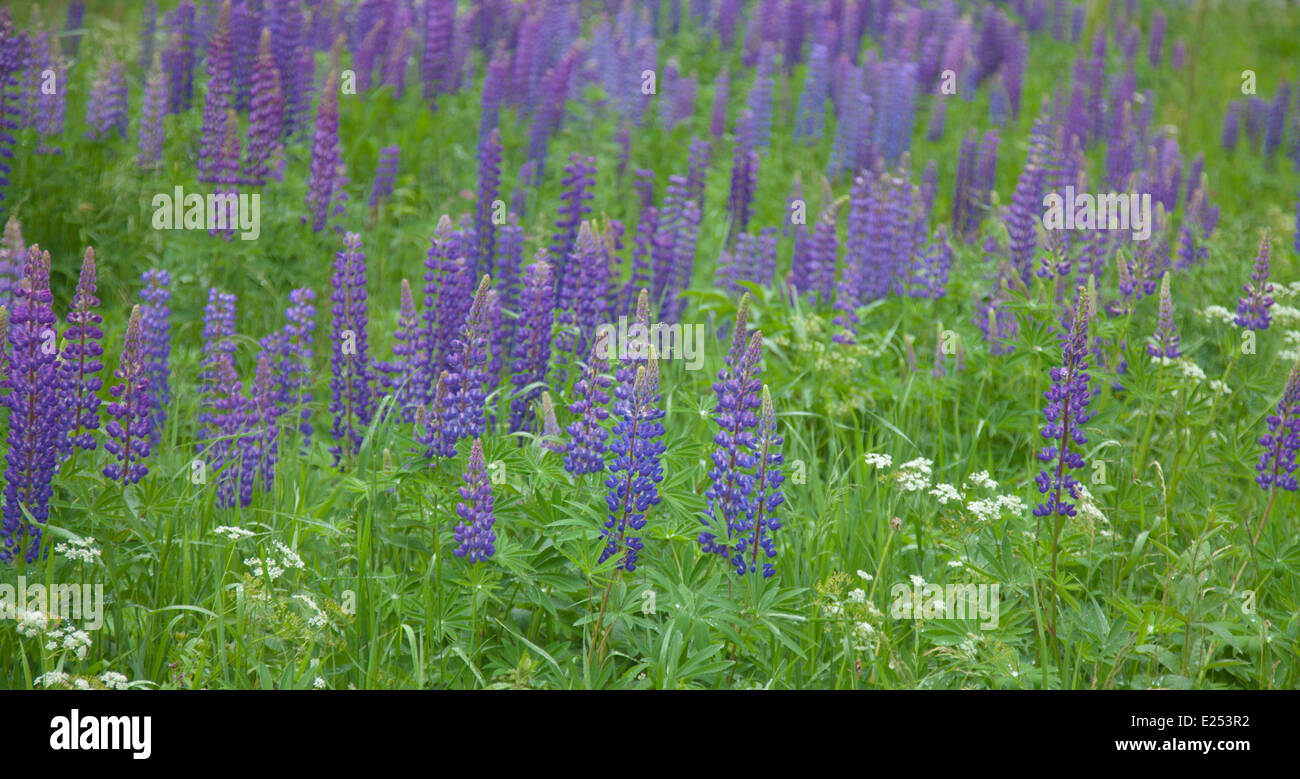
(823, 257)
(467, 367)
(1231, 126)
(261, 443)
(1023, 221)
(431, 423)
(760, 521)
(130, 429)
(439, 29)
(12, 53)
(579, 178)
(13, 257)
(155, 324)
(81, 361)
(385, 174)
(474, 533)
(266, 117)
(400, 378)
(744, 181)
(72, 25)
(1277, 119)
(292, 52)
(731, 484)
(178, 57)
(1254, 310)
(245, 27)
(327, 171)
(225, 172)
(509, 265)
(634, 469)
(218, 98)
(352, 401)
(106, 111)
(1165, 342)
(721, 94)
(1066, 413)
(811, 115)
(231, 420)
(151, 115)
(489, 188)
(218, 343)
(586, 449)
(1156, 41)
(35, 413)
(532, 343)
(1277, 462)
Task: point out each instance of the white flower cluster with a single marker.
(1220, 313)
(1291, 351)
(996, 507)
(1086, 506)
(946, 493)
(114, 680)
(878, 460)
(79, 550)
(271, 566)
(32, 623)
(981, 479)
(233, 533)
(914, 475)
(67, 638)
(1285, 315)
(51, 679)
(318, 619)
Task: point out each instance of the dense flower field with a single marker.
(662, 344)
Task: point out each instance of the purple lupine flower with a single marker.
(439, 29)
(1156, 41)
(1165, 343)
(759, 104)
(231, 421)
(261, 443)
(245, 24)
(447, 299)
(683, 264)
(295, 351)
(1277, 119)
(35, 412)
(151, 115)
(155, 324)
(72, 25)
(178, 57)
(489, 188)
(642, 253)
(352, 401)
(1254, 310)
(467, 365)
(385, 174)
(634, 469)
(130, 429)
(1231, 125)
(823, 257)
(721, 94)
(1066, 413)
(431, 423)
(218, 98)
(744, 182)
(327, 170)
(13, 257)
(81, 361)
(697, 168)
(225, 172)
(401, 377)
(266, 117)
(1023, 221)
(292, 52)
(532, 343)
(1277, 462)
(106, 110)
(760, 522)
(811, 113)
(579, 178)
(731, 484)
(586, 449)
(474, 532)
(509, 265)
(148, 34)
(12, 53)
(218, 343)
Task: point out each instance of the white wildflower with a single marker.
(1218, 312)
(917, 581)
(52, 679)
(319, 683)
(864, 576)
(79, 550)
(982, 479)
(914, 475)
(32, 623)
(233, 533)
(857, 595)
(946, 493)
(877, 460)
(114, 680)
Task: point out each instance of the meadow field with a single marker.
(650, 344)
